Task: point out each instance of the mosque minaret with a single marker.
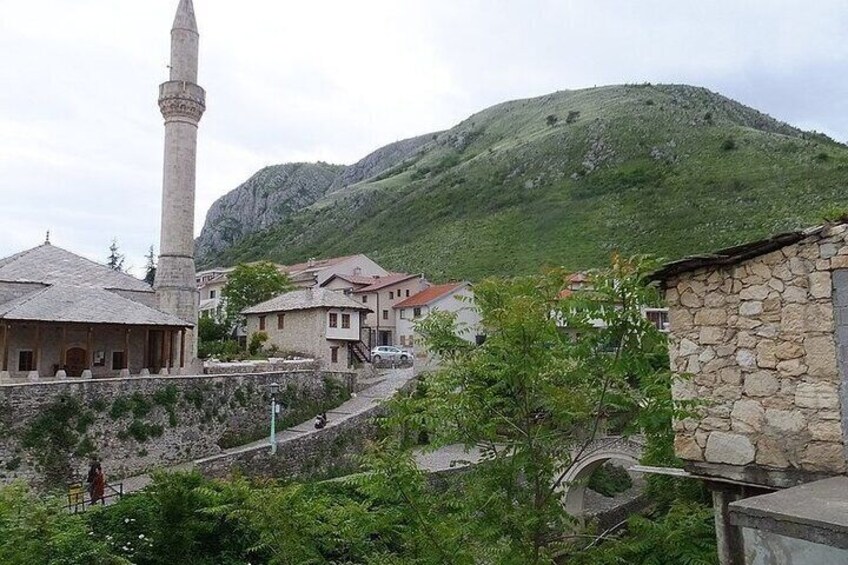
(182, 103)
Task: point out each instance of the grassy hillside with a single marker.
(569, 178)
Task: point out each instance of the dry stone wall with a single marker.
(759, 340)
(48, 430)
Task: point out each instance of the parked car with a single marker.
(389, 353)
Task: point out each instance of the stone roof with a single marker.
(86, 305)
(49, 264)
(306, 299)
(429, 295)
(733, 255)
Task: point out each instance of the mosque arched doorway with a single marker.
(76, 361)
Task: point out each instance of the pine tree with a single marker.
(115, 261)
(150, 270)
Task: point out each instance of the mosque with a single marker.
(64, 316)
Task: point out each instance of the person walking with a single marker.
(320, 420)
(96, 483)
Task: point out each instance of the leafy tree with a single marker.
(150, 268)
(250, 284)
(553, 373)
(115, 261)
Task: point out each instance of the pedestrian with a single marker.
(320, 420)
(96, 483)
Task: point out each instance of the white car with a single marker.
(389, 353)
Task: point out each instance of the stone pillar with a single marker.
(728, 537)
(4, 367)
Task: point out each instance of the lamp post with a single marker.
(273, 387)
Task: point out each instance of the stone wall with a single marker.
(333, 451)
(759, 339)
(49, 429)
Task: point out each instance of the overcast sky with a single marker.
(81, 135)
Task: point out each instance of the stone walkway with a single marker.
(382, 387)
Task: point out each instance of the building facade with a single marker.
(315, 322)
(454, 297)
(62, 315)
(761, 331)
(380, 298)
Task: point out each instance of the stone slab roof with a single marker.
(87, 305)
(732, 255)
(48, 264)
(306, 299)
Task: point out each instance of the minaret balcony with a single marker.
(180, 100)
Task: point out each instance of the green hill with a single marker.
(564, 179)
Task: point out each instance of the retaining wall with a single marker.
(49, 430)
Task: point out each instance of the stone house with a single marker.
(63, 315)
(762, 331)
(321, 323)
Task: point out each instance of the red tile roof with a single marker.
(383, 282)
(429, 295)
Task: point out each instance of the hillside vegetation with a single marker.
(563, 179)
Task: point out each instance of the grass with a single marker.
(627, 176)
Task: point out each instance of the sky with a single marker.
(81, 136)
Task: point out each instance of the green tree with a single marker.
(150, 268)
(553, 373)
(115, 260)
(250, 284)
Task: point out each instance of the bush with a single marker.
(572, 116)
(257, 340)
(551, 120)
(729, 144)
(610, 480)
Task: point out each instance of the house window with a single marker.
(346, 321)
(261, 323)
(364, 298)
(659, 319)
(281, 321)
(334, 320)
(385, 314)
(416, 312)
(99, 358)
(403, 313)
(117, 360)
(407, 293)
(334, 354)
(391, 295)
(212, 294)
(26, 361)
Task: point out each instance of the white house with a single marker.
(453, 297)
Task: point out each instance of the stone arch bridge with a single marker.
(595, 454)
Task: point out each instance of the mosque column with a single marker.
(4, 368)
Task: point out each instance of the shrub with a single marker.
(551, 120)
(729, 144)
(257, 340)
(610, 480)
(572, 116)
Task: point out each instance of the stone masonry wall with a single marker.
(48, 430)
(326, 453)
(759, 340)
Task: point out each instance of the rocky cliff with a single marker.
(564, 179)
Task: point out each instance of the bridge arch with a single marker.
(596, 454)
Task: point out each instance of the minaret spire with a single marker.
(182, 103)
